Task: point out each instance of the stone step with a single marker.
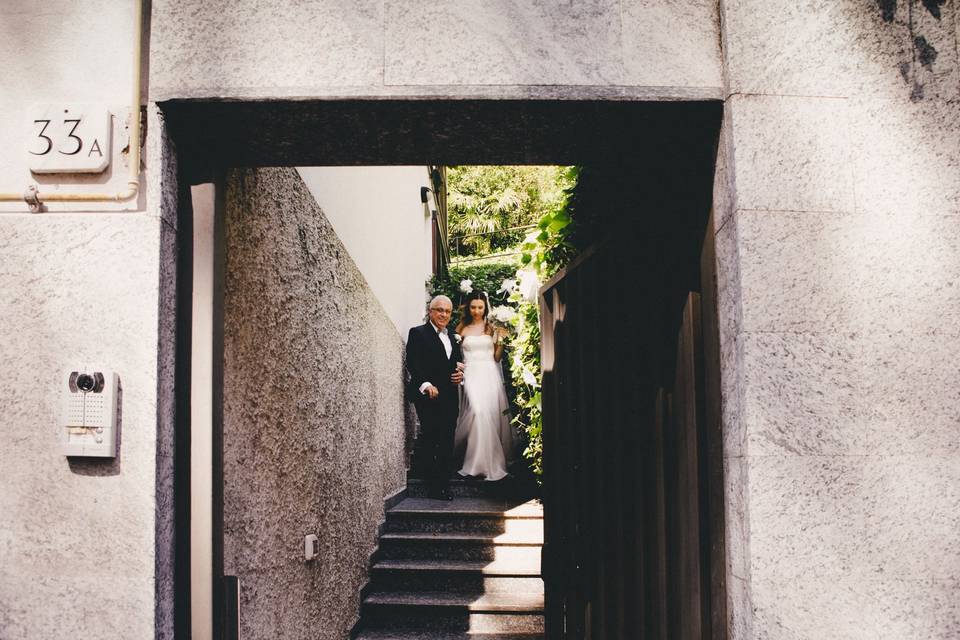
(479, 515)
(420, 634)
(460, 545)
(487, 613)
(465, 488)
(459, 577)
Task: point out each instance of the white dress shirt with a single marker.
(445, 339)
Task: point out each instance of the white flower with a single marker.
(529, 284)
(466, 286)
(528, 377)
(458, 338)
(508, 286)
(503, 313)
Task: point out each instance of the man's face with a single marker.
(440, 311)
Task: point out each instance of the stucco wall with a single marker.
(486, 48)
(839, 193)
(64, 53)
(85, 547)
(377, 214)
(313, 411)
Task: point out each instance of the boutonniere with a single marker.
(458, 338)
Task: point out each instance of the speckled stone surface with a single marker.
(739, 608)
(314, 422)
(842, 454)
(851, 394)
(77, 540)
(732, 398)
(502, 42)
(840, 48)
(906, 156)
(677, 40)
(791, 153)
(724, 191)
(728, 282)
(224, 46)
(854, 546)
(478, 48)
(737, 516)
(849, 273)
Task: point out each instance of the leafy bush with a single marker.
(491, 200)
(546, 250)
(487, 277)
(544, 253)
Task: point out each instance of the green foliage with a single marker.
(544, 250)
(482, 199)
(486, 277)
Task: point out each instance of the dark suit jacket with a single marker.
(427, 362)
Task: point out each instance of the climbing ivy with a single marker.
(544, 252)
(515, 284)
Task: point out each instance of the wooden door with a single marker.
(631, 461)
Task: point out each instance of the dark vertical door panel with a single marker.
(626, 446)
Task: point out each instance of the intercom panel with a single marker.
(90, 412)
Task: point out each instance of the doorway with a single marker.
(661, 154)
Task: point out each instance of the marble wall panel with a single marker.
(906, 156)
(250, 47)
(935, 62)
(849, 273)
(737, 516)
(732, 380)
(840, 48)
(887, 516)
(729, 305)
(724, 187)
(676, 42)
(852, 607)
(851, 394)
(499, 42)
(739, 609)
(791, 153)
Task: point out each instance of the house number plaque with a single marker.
(69, 139)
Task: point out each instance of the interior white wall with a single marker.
(377, 214)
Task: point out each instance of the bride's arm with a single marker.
(497, 344)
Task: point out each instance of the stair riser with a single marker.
(456, 490)
(452, 581)
(399, 617)
(443, 523)
(457, 551)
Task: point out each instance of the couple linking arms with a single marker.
(452, 415)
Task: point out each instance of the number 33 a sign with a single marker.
(69, 139)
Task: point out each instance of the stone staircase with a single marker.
(467, 569)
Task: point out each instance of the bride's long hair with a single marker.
(466, 318)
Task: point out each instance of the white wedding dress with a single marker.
(483, 427)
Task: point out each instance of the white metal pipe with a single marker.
(133, 183)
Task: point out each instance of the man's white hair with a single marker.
(440, 298)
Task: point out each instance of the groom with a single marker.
(434, 362)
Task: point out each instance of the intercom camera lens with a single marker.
(85, 382)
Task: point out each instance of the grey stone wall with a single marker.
(86, 544)
(838, 194)
(486, 48)
(313, 411)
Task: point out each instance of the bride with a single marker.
(483, 423)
